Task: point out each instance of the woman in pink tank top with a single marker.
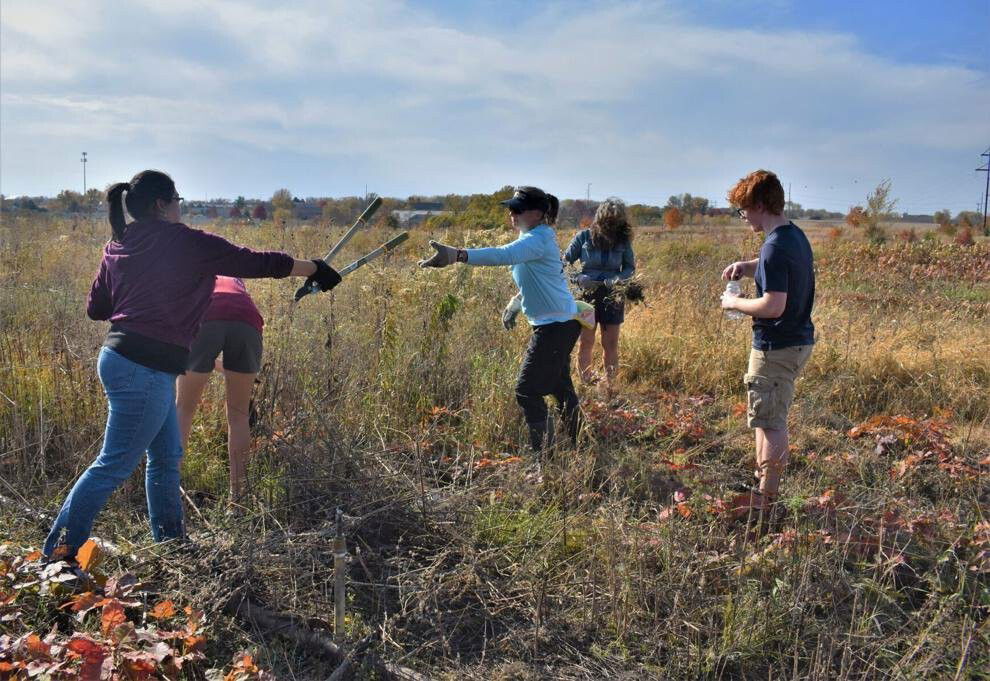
(232, 327)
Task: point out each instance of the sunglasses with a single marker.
(741, 213)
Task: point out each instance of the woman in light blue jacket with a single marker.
(606, 255)
(545, 299)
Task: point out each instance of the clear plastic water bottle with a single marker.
(733, 288)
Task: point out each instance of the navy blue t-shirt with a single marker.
(786, 265)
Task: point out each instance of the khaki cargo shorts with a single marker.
(770, 384)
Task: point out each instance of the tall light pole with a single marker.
(83, 161)
(587, 193)
(985, 169)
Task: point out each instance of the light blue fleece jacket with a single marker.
(538, 272)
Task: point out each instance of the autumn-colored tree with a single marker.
(235, 212)
(854, 218)
(282, 199)
(879, 209)
(259, 212)
(68, 201)
(672, 217)
(965, 236)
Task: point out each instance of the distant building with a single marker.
(306, 210)
(432, 206)
(416, 216)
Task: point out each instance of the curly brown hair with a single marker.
(610, 226)
(760, 187)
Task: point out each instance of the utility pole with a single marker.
(83, 161)
(986, 192)
(587, 193)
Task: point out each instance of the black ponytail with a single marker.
(115, 199)
(553, 205)
(142, 191)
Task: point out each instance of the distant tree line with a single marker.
(477, 211)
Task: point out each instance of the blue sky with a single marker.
(640, 99)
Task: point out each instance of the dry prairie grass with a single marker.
(392, 399)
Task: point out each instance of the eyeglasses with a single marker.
(178, 198)
(741, 213)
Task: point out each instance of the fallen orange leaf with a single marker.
(113, 616)
(162, 610)
(89, 555)
(36, 647)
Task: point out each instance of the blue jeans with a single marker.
(142, 419)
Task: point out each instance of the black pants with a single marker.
(546, 370)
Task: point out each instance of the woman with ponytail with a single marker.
(545, 299)
(154, 286)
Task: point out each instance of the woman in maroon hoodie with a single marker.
(154, 285)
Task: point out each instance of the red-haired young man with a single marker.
(783, 334)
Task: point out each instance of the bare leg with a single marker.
(585, 349)
(775, 453)
(610, 347)
(239, 387)
(188, 392)
(760, 440)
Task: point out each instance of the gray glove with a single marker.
(445, 255)
(586, 282)
(511, 311)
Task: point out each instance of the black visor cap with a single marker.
(527, 198)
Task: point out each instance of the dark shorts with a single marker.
(609, 308)
(240, 344)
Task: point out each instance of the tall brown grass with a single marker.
(385, 397)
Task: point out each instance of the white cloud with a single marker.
(629, 95)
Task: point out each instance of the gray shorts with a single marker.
(240, 344)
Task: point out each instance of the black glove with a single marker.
(324, 279)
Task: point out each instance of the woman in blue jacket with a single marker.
(544, 298)
(606, 255)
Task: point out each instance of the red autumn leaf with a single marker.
(684, 510)
(33, 556)
(84, 602)
(738, 409)
(92, 654)
(139, 666)
(162, 610)
(113, 616)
